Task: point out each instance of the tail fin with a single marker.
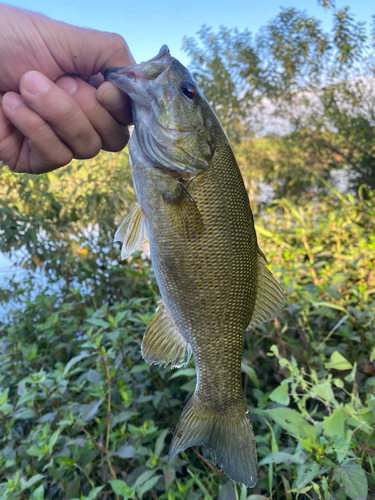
(229, 436)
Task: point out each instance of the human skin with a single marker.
(54, 103)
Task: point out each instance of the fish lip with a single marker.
(130, 82)
(112, 74)
(131, 71)
(118, 76)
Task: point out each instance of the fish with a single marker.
(213, 278)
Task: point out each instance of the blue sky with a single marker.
(148, 24)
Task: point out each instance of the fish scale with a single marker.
(213, 278)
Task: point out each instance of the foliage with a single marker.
(61, 225)
(312, 90)
(83, 417)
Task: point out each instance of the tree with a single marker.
(316, 90)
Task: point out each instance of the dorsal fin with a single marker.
(131, 232)
(270, 298)
(163, 343)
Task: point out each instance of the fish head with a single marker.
(173, 122)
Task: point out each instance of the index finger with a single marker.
(116, 102)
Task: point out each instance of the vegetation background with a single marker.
(81, 415)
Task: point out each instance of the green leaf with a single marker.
(53, 440)
(352, 480)
(282, 457)
(338, 362)
(32, 481)
(184, 372)
(199, 483)
(341, 447)
(281, 395)
(169, 474)
(251, 373)
(227, 491)
(147, 486)
(94, 377)
(293, 422)
(324, 391)
(306, 473)
(38, 494)
(35, 451)
(334, 425)
(29, 396)
(160, 443)
(8, 453)
(91, 409)
(3, 397)
(123, 416)
(372, 355)
(93, 493)
(75, 360)
(142, 367)
(331, 306)
(145, 476)
(243, 492)
(98, 322)
(189, 386)
(126, 451)
(121, 488)
(25, 413)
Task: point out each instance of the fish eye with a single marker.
(188, 89)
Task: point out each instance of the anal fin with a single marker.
(131, 232)
(163, 343)
(270, 297)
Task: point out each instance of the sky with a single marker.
(148, 24)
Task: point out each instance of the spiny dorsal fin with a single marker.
(131, 232)
(163, 343)
(270, 297)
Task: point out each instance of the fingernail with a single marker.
(69, 84)
(112, 98)
(36, 83)
(12, 100)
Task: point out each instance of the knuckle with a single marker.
(118, 49)
(8, 155)
(87, 145)
(67, 115)
(117, 42)
(63, 156)
(116, 142)
(44, 161)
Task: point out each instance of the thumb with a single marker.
(82, 51)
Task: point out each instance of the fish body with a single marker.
(195, 210)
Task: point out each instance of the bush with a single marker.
(82, 416)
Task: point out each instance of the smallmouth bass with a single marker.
(212, 276)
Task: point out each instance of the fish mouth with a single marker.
(133, 80)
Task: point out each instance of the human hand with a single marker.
(48, 116)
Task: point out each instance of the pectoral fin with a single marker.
(131, 232)
(270, 297)
(183, 213)
(163, 343)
